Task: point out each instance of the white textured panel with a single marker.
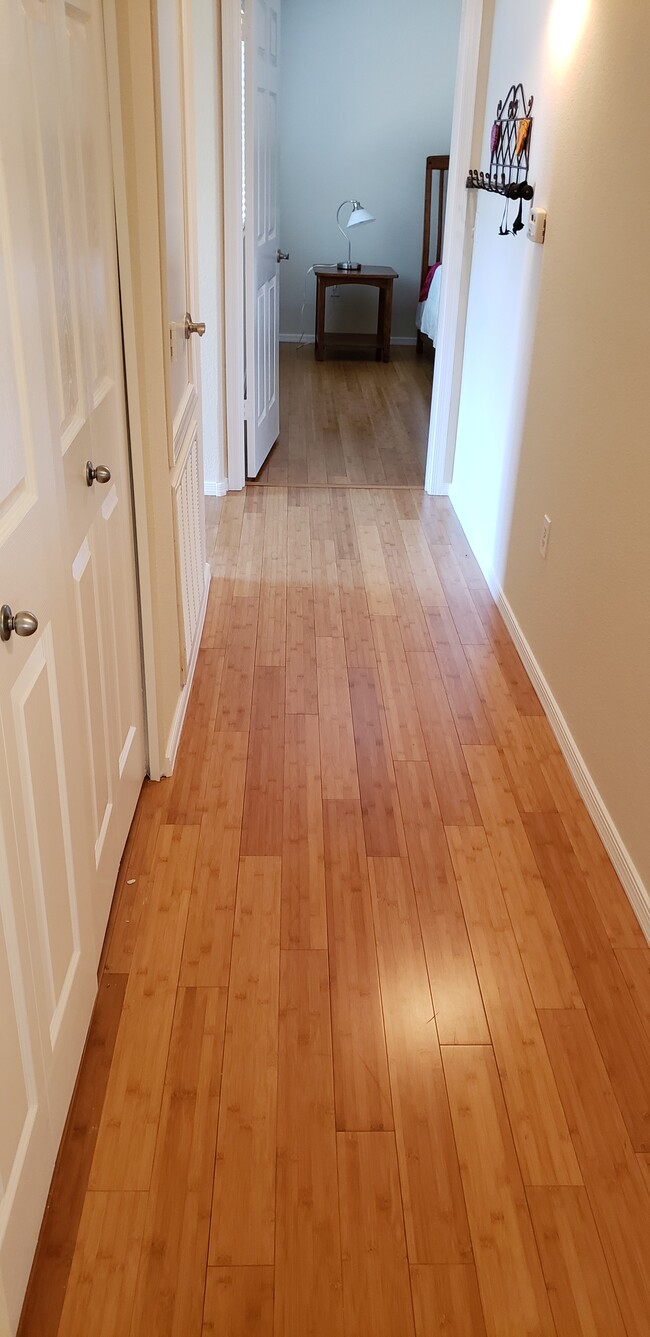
(187, 509)
(35, 711)
(272, 316)
(91, 148)
(260, 355)
(261, 29)
(13, 1111)
(13, 467)
(260, 166)
(272, 168)
(273, 36)
(87, 596)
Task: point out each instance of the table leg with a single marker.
(319, 334)
(385, 317)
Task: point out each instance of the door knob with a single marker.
(97, 473)
(281, 255)
(194, 327)
(24, 624)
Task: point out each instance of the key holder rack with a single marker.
(509, 149)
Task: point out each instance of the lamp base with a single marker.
(348, 266)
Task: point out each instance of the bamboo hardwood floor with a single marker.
(371, 1050)
(350, 421)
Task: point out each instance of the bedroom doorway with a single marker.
(341, 395)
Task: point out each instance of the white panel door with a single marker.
(184, 328)
(71, 737)
(262, 34)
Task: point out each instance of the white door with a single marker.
(262, 33)
(71, 737)
(184, 327)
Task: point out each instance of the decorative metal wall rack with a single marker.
(509, 152)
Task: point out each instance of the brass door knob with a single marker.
(194, 327)
(97, 473)
(23, 623)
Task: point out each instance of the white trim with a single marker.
(215, 489)
(475, 31)
(399, 341)
(135, 406)
(181, 706)
(637, 893)
(233, 289)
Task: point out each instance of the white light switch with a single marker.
(537, 226)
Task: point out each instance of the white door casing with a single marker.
(71, 737)
(179, 241)
(262, 36)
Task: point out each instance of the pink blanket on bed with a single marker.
(424, 290)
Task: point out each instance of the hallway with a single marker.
(371, 1048)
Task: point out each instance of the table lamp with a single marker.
(358, 215)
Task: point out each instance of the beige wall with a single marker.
(553, 416)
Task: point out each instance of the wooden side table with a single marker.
(369, 276)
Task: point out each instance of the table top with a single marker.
(366, 271)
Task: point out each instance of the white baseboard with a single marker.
(399, 341)
(637, 893)
(181, 705)
(215, 489)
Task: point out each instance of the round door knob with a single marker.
(194, 327)
(23, 623)
(97, 473)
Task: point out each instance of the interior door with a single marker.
(262, 33)
(184, 327)
(71, 736)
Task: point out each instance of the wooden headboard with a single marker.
(436, 167)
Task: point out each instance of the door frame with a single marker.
(475, 40)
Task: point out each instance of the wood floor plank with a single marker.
(375, 575)
(379, 802)
(422, 565)
(543, 952)
(327, 602)
(248, 572)
(238, 1300)
(234, 709)
(519, 684)
(376, 1287)
(338, 753)
(619, 920)
(272, 621)
(468, 624)
(302, 689)
(362, 1085)
(577, 1277)
(261, 832)
(304, 910)
(208, 936)
(619, 1029)
(243, 1208)
(456, 798)
(635, 965)
(471, 721)
(405, 732)
(434, 1208)
(308, 1286)
(510, 731)
(446, 1301)
(55, 1250)
(542, 1139)
(614, 1181)
(510, 1277)
(460, 1017)
(99, 1298)
(173, 1260)
(129, 1124)
(130, 892)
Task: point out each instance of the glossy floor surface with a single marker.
(351, 421)
(371, 1051)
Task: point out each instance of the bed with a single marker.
(435, 189)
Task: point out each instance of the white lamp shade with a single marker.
(359, 215)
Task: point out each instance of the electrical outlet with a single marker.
(543, 542)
